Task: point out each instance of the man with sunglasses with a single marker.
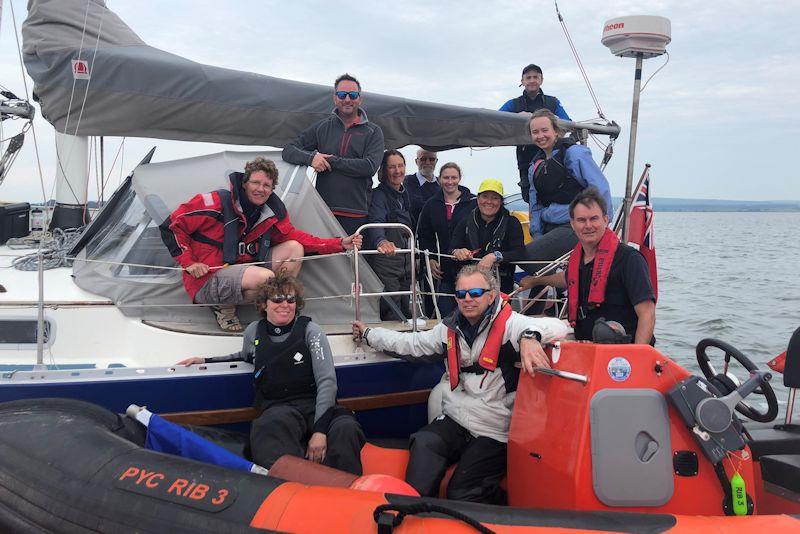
(423, 184)
(346, 150)
(484, 344)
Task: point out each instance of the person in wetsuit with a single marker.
(295, 384)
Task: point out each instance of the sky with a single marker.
(718, 121)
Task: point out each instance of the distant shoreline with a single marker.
(713, 205)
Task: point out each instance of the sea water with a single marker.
(729, 276)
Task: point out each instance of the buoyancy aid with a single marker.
(525, 153)
(553, 181)
(603, 258)
(490, 353)
(283, 370)
(234, 243)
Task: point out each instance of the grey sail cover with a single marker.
(130, 265)
(132, 89)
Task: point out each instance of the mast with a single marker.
(640, 37)
(72, 180)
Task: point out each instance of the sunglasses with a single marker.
(427, 158)
(341, 95)
(475, 292)
(279, 299)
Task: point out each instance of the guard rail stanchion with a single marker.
(411, 250)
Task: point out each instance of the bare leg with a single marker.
(287, 250)
(252, 278)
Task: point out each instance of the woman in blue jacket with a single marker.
(558, 172)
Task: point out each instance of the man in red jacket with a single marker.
(215, 235)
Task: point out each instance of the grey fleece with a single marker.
(321, 361)
(357, 152)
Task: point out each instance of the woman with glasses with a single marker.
(295, 384)
(391, 204)
(437, 220)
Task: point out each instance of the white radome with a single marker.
(638, 34)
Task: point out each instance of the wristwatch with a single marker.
(498, 255)
(530, 334)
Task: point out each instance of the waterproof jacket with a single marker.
(435, 232)
(357, 152)
(194, 226)
(525, 153)
(502, 234)
(577, 159)
(482, 402)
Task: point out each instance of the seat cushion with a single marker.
(782, 470)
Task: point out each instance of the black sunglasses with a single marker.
(475, 292)
(341, 95)
(278, 299)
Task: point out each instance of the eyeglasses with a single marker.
(341, 95)
(475, 292)
(279, 299)
(428, 158)
(260, 185)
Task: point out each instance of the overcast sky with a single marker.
(718, 121)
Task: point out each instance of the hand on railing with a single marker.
(462, 254)
(387, 247)
(355, 240)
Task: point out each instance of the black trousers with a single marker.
(395, 274)
(351, 224)
(286, 428)
(438, 445)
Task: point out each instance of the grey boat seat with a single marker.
(782, 470)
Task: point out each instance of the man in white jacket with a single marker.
(483, 343)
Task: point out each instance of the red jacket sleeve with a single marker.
(199, 213)
(311, 243)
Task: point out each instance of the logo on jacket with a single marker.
(298, 358)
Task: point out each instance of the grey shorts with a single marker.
(224, 287)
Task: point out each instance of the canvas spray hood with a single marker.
(128, 241)
(136, 90)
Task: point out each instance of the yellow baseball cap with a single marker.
(490, 184)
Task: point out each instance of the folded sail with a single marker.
(132, 89)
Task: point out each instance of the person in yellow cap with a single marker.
(491, 234)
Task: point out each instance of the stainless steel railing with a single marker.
(357, 294)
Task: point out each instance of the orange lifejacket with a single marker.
(491, 348)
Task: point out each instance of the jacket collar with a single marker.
(362, 116)
(466, 195)
(273, 207)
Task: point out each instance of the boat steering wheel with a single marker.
(723, 382)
